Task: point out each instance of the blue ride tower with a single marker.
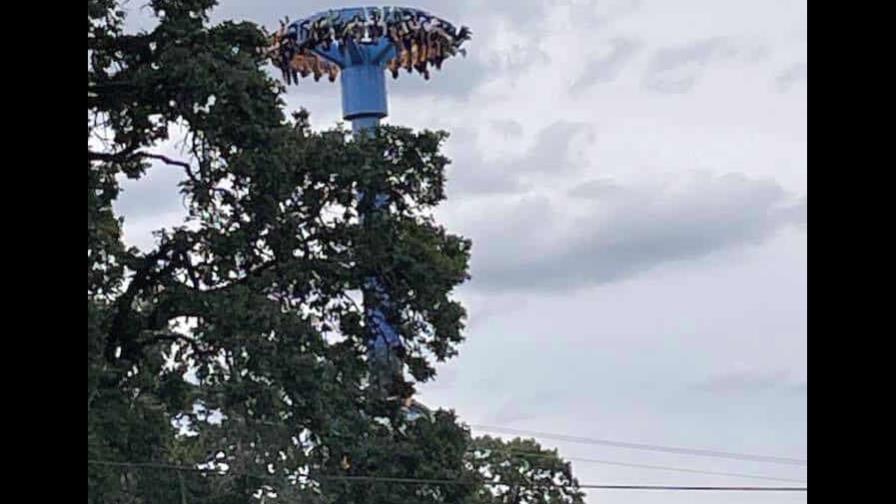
(362, 44)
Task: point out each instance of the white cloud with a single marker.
(537, 245)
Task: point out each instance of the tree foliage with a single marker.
(236, 342)
(521, 471)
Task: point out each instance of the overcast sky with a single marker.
(633, 176)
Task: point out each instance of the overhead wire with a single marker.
(644, 446)
(648, 466)
(434, 481)
(543, 454)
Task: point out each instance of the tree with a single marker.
(449, 466)
(420, 462)
(521, 471)
(234, 348)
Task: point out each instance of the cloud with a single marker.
(507, 127)
(594, 188)
(522, 14)
(140, 231)
(519, 58)
(597, 14)
(626, 230)
(155, 201)
(468, 174)
(793, 74)
(462, 77)
(552, 150)
(550, 153)
(677, 69)
(447, 377)
(526, 404)
(752, 382)
(606, 68)
(511, 411)
(154, 193)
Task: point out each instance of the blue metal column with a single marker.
(361, 41)
(364, 103)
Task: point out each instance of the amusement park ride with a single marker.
(360, 45)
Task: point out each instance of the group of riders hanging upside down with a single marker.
(420, 40)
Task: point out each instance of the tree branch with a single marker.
(125, 156)
(173, 336)
(142, 278)
(165, 159)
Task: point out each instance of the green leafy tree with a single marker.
(418, 462)
(235, 345)
(520, 471)
(438, 461)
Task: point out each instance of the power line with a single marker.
(605, 462)
(433, 481)
(699, 488)
(536, 454)
(642, 446)
(428, 481)
(679, 469)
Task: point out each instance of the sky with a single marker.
(633, 175)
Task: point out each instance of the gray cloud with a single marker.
(459, 78)
(594, 188)
(447, 377)
(596, 14)
(519, 59)
(751, 382)
(677, 69)
(634, 230)
(793, 74)
(509, 127)
(525, 405)
(606, 69)
(155, 193)
(511, 411)
(521, 14)
(478, 182)
(468, 174)
(550, 153)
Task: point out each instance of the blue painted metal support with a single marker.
(364, 103)
(363, 80)
(365, 123)
(334, 36)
